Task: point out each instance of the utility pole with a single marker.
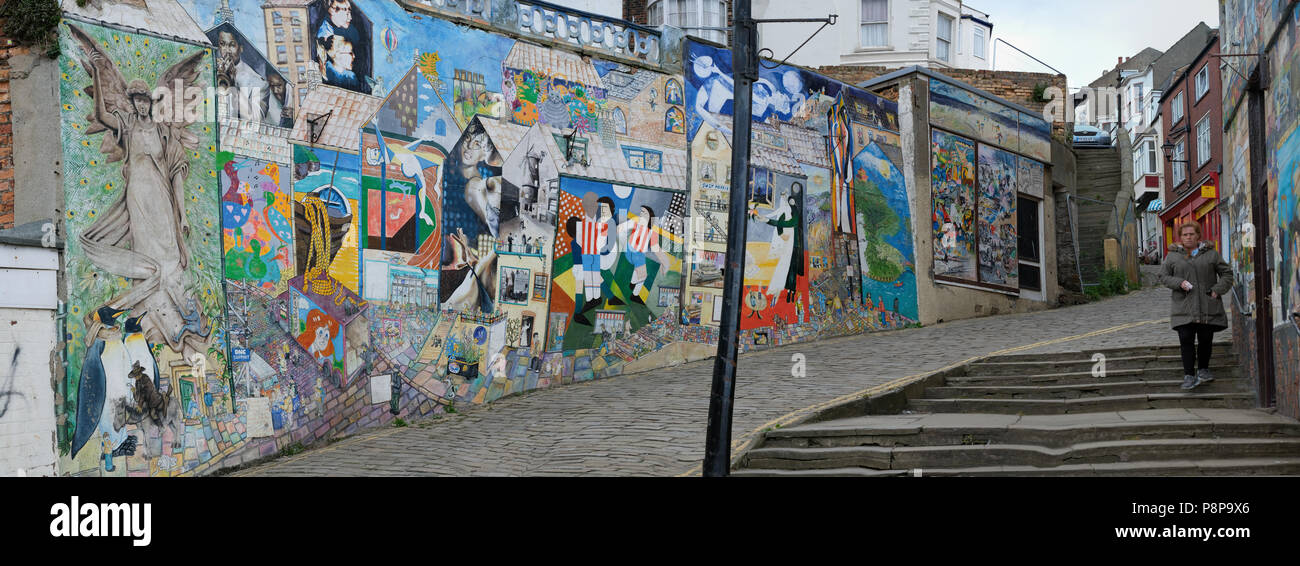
(744, 65)
(744, 68)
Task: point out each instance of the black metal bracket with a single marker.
(826, 21)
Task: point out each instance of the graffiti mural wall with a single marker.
(352, 213)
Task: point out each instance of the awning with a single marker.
(1155, 205)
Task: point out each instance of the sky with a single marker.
(1084, 39)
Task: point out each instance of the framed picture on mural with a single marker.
(669, 296)
(760, 188)
(557, 323)
(514, 285)
(540, 283)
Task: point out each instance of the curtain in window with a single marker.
(875, 23)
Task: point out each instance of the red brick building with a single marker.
(1192, 111)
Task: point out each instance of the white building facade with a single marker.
(935, 34)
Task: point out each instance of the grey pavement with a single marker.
(653, 423)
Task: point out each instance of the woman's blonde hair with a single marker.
(1190, 224)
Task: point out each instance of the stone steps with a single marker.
(1221, 350)
(1047, 431)
(996, 455)
(1082, 390)
(1082, 365)
(1047, 414)
(1229, 467)
(1086, 377)
(1171, 400)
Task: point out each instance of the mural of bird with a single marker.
(138, 349)
(103, 383)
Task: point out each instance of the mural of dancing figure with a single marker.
(142, 236)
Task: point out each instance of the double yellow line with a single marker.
(747, 441)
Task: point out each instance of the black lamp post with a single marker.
(1168, 148)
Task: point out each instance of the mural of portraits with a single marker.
(341, 47)
(251, 87)
(471, 213)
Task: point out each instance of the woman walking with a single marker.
(1199, 277)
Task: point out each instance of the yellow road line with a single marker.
(746, 441)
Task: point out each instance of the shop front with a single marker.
(1200, 204)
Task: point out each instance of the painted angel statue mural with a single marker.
(142, 236)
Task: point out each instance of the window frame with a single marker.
(1203, 157)
(939, 40)
(1176, 108)
(1204, 72)
(1180, 169)
(886, 23)
(978, 47)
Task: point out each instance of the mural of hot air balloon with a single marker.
(390, 42)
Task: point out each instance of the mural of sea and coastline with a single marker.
(351, 213)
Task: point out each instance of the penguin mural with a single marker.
(139, 350)
(103, 384)
(154, 410)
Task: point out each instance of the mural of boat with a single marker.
(340, 221)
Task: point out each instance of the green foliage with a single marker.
(1113, 282)
(1040, 92)
(292, 449)
(33, 22)
(399, 422)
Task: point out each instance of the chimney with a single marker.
(1119, 61)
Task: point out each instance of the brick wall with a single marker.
(7, 49)
(1013, 86)
(634, 11)
(26, 397)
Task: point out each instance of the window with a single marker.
(297, 53)
(1137, 100)
(620, 121)
(440, 127)
(1180, 169)
(301, 70)
(281, 54)
(1202, 82)
(297, 34)
(279, 34)
(1137, 164)
(1176, 107)
(1030, 248)
(1203, 141)
(943, 39)
(979, 42)
(874, 23)
(688, 14)
(1151, 157)
(276, 19)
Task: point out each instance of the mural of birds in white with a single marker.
(102, 387)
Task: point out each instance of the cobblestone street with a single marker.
(654, 423)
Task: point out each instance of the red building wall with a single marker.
(1197, 197)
